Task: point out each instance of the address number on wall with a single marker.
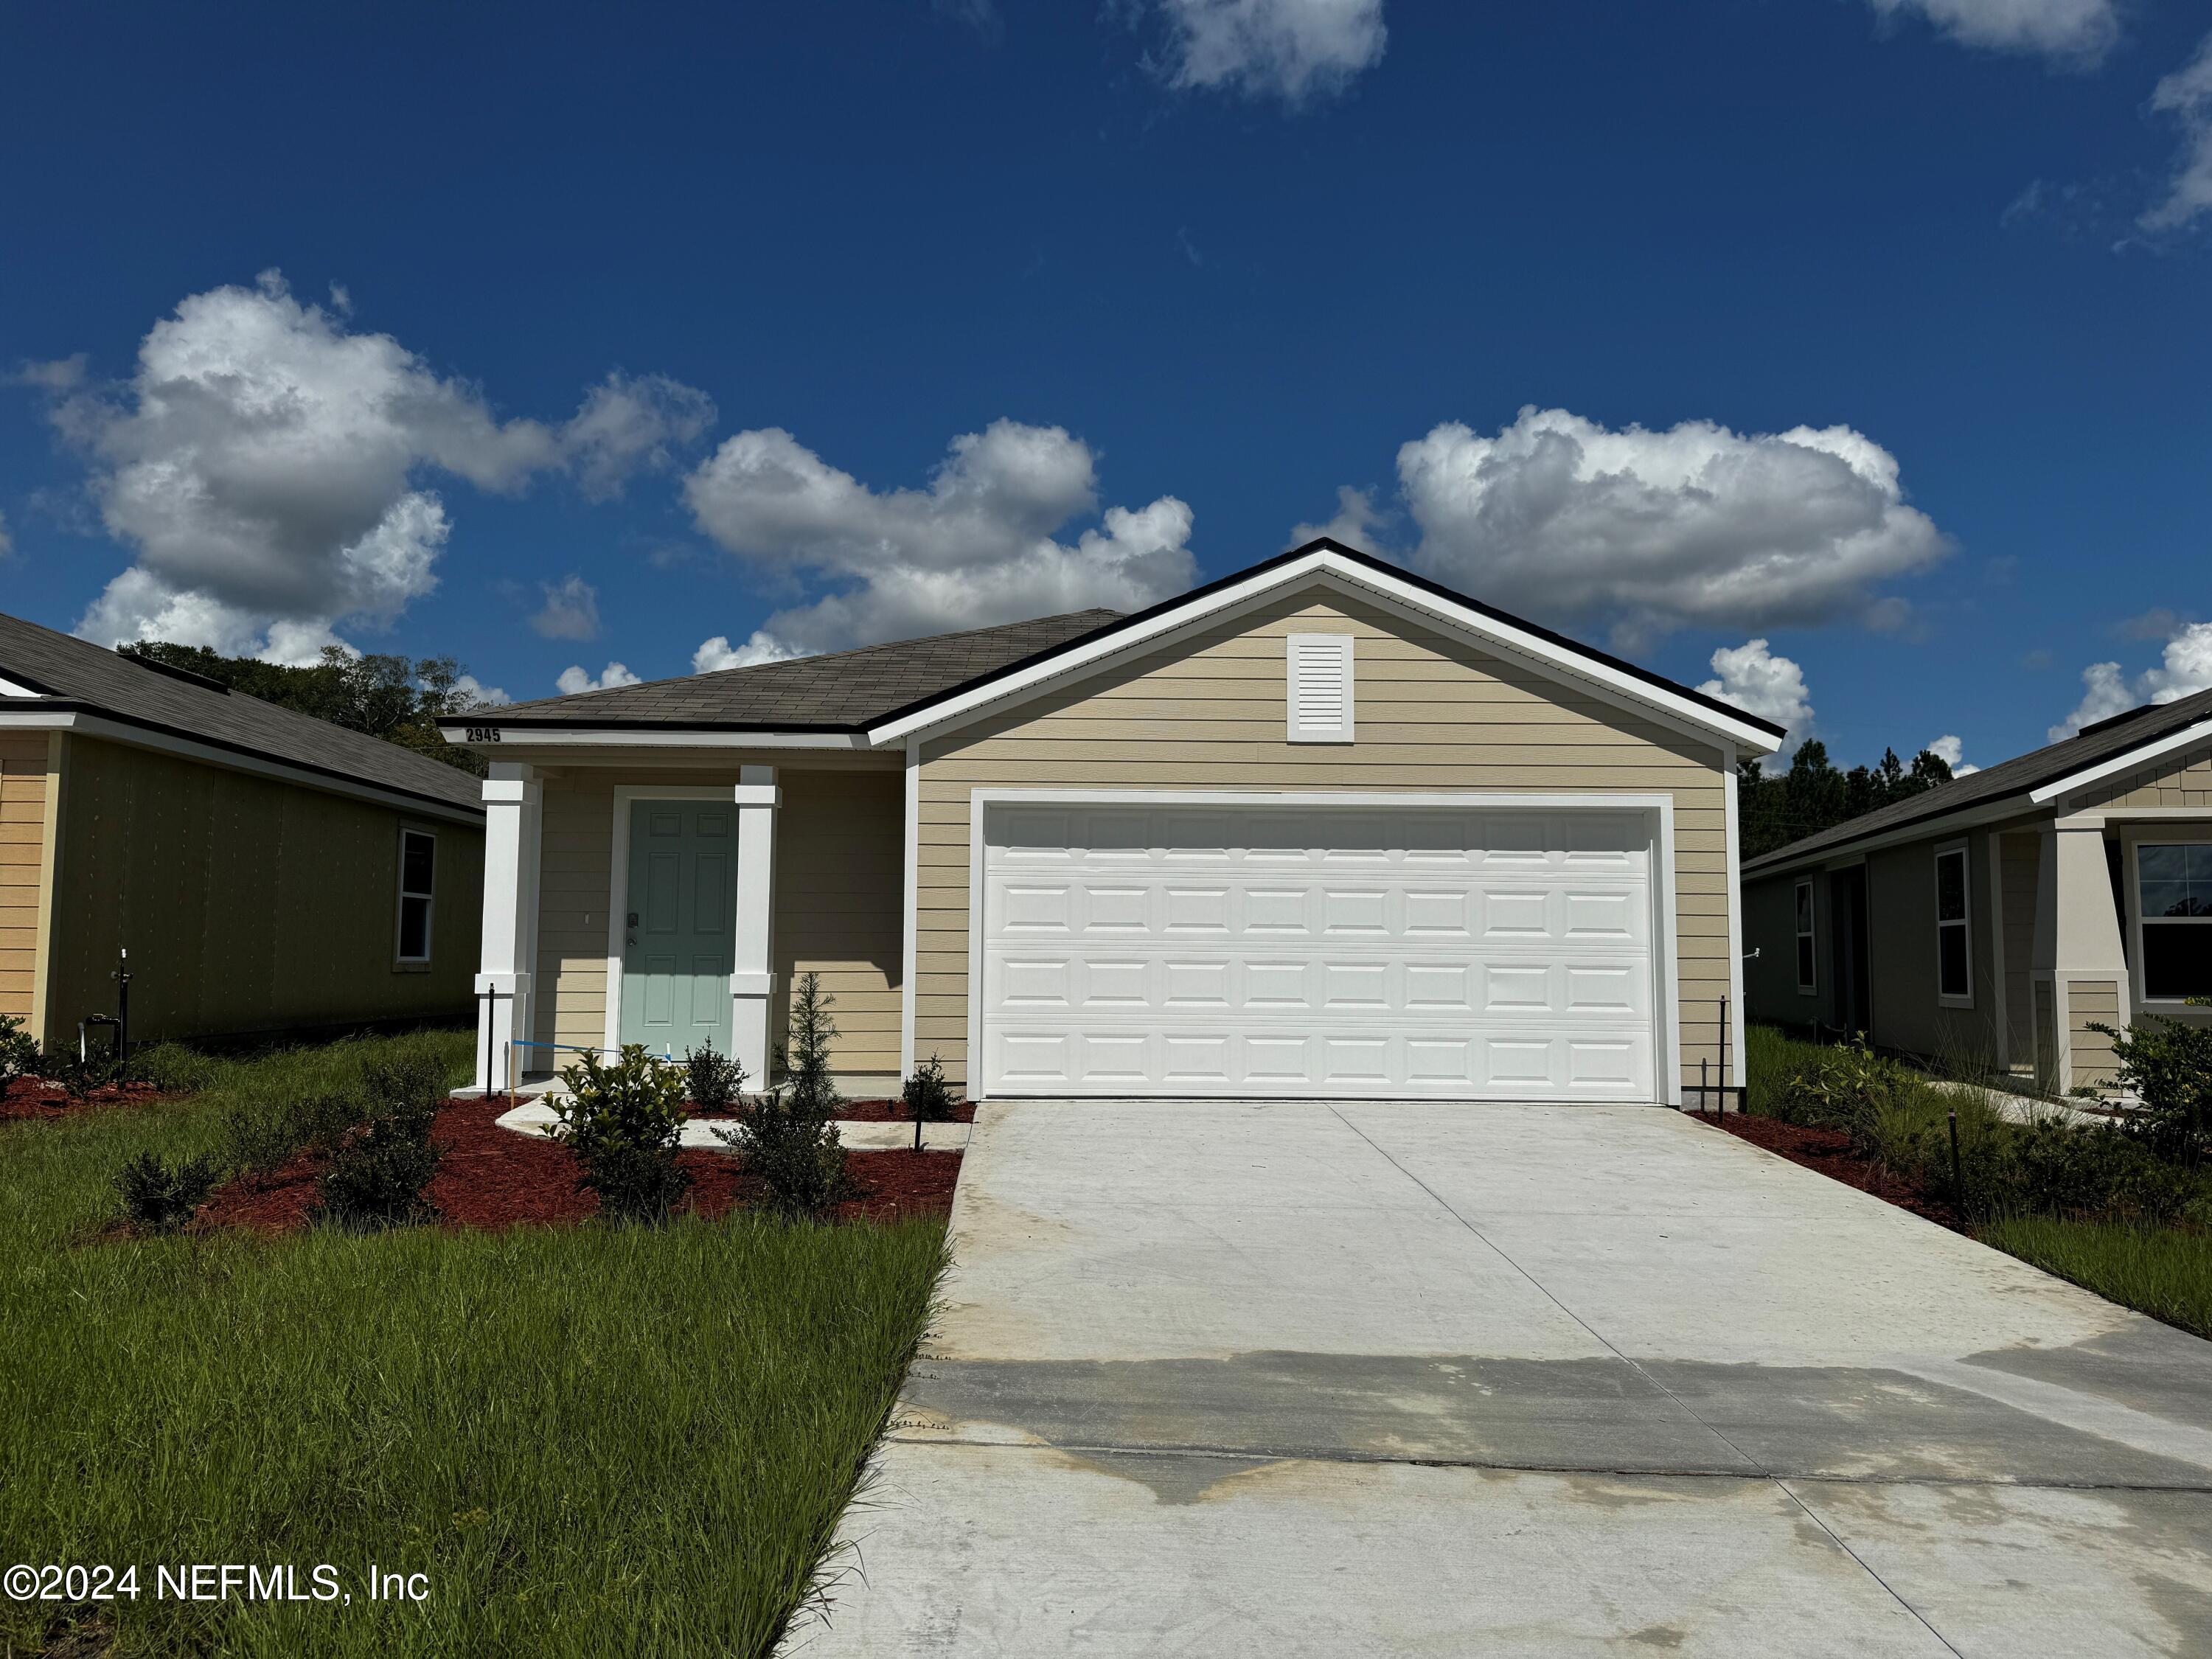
(483, 734)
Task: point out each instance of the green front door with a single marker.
(681, 925)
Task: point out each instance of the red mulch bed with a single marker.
(860, 1111)
(492, 1178)
(1829, 1152)
(25, 1098)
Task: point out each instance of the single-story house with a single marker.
(2002, 914)
(267, 873)
(1319, 828)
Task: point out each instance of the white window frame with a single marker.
(1964, 921)
(1806, 985)
(429, 903)
(1293, 644)
(2135, 838)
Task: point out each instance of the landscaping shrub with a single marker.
(788, 1136)
(624, 1122)
(1846, 1088)
(927, 1098)
(81, 1075)
(412, 1080)
(262, 1131)
(160, 1195)
(712, 1081)
(174, 1069)
(2167, 1065)
(379, 1171)
(19, 1051)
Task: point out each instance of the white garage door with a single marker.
(1282, 950)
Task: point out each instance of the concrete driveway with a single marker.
(1246, 1379)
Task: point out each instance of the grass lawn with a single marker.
(590, 1440)
(2158, 1271)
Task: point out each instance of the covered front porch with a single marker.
(673, 904)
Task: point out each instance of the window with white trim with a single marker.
(1320, 688)
(418, 872)
(1954, 951)
(2173, 899)
(1807, 962)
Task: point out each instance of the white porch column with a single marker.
(752, 975)
(512, 797)
(2077, 930)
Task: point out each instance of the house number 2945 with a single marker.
(483, 734)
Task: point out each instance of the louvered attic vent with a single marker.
(1321, 688)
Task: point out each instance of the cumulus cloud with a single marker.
(2073, 32)
(717, 653)
(1358, 522)
(1952, 752)
(476, 694)
(574, 679)
(1288, 49)
(1565, 518)
(571, 611)
(2184, 669)
(977, 546)
(1759, 683)
(267, 464)
(61, 374)
(2186, 95)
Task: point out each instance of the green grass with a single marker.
(591, 1441)
(2158, 1271)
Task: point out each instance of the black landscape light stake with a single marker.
(1958, 1170)
(122, 1004)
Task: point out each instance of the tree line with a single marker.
(1774, 809)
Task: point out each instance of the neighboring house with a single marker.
(2004, 913)
(1321, 829)
(267, 872)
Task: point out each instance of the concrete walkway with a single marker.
(1241, 1379)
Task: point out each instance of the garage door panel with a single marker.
(1275, 950)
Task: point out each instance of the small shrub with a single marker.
(160, 1196)
(789, 1138)
(712, 1081)
(174, 1069)
(1845, 1088)
(379, 1172)
(408, 1081)
(19, 1051)
(2167, 1065)
(624, 1122)
(927, 1098)
(261, 1132)
(81, 1075)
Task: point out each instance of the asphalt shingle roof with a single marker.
(74, 674)
(2016, 776)
(840, 692)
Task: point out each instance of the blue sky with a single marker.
(549, 337)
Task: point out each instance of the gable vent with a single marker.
(1321, 688)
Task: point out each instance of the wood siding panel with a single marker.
(1432, 712)
(2183, 780)
(23, 791)
(838, 862)
(248, 904)
(2092, 1000)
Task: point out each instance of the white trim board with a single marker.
(2131, 760)
(1658, 808)
(911, 889)
(1332, 569)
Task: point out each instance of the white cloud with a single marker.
(266, 462)
(717, 653)
(574, 679)
(571, 611)
(7, 542)
(1289, 48)
(2186, 95)
(976, 547)
(1759, 683)
(1358, 523)
(2183, 670)
(2079, 32)
(480, 695)
(1952, 752)
(61, 374)
(1562, 518)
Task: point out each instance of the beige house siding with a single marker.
(248, 904)
(2185, 780)
(1901, 951)
(25, 840)
(839, 848)
(2092, 1000)
(1432, 712)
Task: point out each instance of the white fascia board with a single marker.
(1616, 685)
(1939, 826)
(2127, 760)
(636, 737)
(139, 737)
